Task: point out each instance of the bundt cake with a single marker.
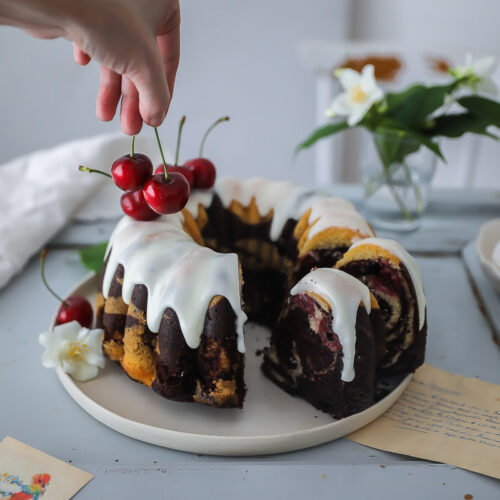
(175, 293)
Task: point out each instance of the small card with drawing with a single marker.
(29, 474)
(442, 417)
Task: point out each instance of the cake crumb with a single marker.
(468, 496)
(323, 476)
(382, 466)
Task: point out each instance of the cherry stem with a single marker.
(132, 147)
(161, 152)
(93, 170)
(204, 138)
(179, 133)
(43, 255)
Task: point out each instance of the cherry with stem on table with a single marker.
(74, 308)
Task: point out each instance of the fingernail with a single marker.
(157, 120)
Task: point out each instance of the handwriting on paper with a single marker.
(442, 417)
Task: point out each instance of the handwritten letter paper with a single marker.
(442, 417)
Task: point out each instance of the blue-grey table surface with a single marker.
(35, 409)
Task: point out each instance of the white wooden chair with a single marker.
(337, 158)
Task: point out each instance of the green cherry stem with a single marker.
(179, 133)
(132, 147)
(204, 138)
(43, 256)
(161, 152)
(93, 170)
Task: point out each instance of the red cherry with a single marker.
(135, 206)
(167, 196)
(131, 172)
(186, 172)
(203, 171)
(75, 308)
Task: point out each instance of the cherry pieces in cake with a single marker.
(186, 172)
(167, 195)
(75, 308)
(135, 206)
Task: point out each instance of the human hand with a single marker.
(136, 43)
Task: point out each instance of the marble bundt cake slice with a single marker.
(393, 276)
(325, 346)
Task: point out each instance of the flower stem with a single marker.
(162, 156)
(93, 170)
(43, 256)
(414, 185)
(132, 147)
(179, 133)
(398, 199)
(204, 138)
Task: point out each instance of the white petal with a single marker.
(43, 339)
(68, 366)
(49, 360)
(484, 67)
(95, 359)
(349, 78)
(341, 105)
(84, 372)
(358, 113)
(487, 86)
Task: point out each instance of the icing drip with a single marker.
(285, 199)
(176, 271)
(332, 217)
(411, 265)
(344, 294)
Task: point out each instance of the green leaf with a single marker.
(394, 145)
(413, 106)
(482, 107)
(320, 133)
(455, 125)
(93, 257)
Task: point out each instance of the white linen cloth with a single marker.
(42, 191)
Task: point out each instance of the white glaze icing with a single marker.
(411, 265)
(344, 294)
(285, 199)
(176, 271)
(160, 255)
(332, 217)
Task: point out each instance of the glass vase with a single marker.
(396, 195)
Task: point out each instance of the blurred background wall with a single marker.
(238, 58)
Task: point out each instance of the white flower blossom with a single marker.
(360, 93)
(480, 72)
(75, 349)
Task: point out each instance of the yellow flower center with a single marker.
(356, 94)
(76, 351)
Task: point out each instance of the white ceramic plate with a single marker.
(271, 422)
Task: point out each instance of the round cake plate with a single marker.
(271, 421)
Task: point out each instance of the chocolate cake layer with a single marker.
(305, 358)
